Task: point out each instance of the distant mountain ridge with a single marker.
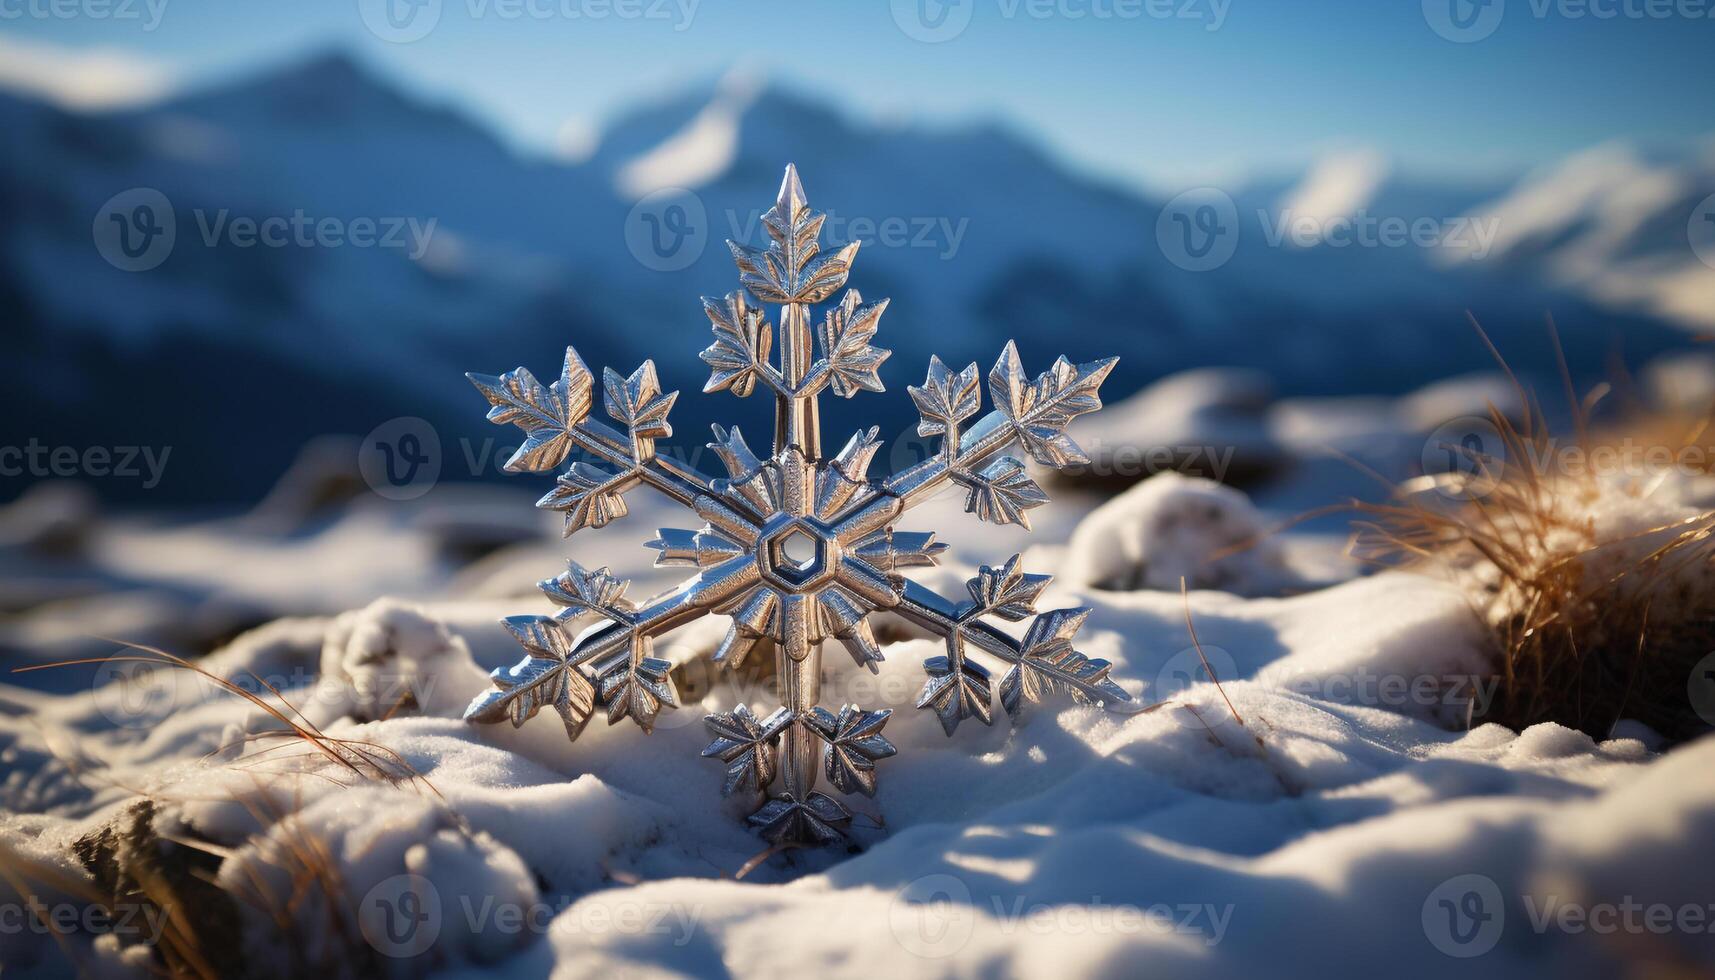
(974, 232)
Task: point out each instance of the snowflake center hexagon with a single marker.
(798, 553)
(799, 547)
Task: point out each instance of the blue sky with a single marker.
(1152, 92)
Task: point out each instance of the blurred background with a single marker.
(247, 251)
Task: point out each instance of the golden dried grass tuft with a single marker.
(1594, 619)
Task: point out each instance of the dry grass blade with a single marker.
(761, 858)
(1196, 644)
(360, 758)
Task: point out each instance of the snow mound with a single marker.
(392, 657)
(1171, 527)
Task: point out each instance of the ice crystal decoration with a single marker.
(797, 547)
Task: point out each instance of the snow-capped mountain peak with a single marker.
(701, 150)
(1612, 223)
(1337, 186)
(1604, 183)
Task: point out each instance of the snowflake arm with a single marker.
(1031, 414)
(627, 680)
(555, 420)
(1043, 662)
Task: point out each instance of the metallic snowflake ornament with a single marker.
(796, 548)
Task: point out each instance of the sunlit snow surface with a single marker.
(1349, 825)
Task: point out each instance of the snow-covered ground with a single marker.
(1325, 810)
